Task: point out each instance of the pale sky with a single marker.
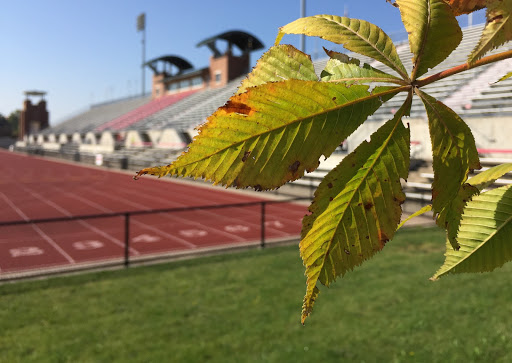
(84, 52)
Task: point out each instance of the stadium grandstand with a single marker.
(143, 131)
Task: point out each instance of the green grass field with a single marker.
(245, 307)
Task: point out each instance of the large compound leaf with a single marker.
(341, 68)
(498, 29)
(433, 32)
(484, 234)
(274, 132)
(279, 63)
(460, 7)
(454, 151)
(356, 207)
(356, 35)
(450, 216)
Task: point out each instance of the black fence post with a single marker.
(262, 243)
(126, 239)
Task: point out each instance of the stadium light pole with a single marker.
(302, 15)
(141, 26)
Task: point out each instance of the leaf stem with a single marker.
(463, 67)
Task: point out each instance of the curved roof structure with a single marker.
(174, 60)
(244, 41)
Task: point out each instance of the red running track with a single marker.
(36, 188)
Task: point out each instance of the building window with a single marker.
(172, 87)
(185, 83)
(217, 77)
(197, 81)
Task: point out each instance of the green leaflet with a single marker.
(450, 216)
(484, 234)
(454, 151)
(508, 75)
(419, 212)
(279, 63)
(341, 68)
(487, 177)
(269, 135)
(497, 31)
(356, 207)
(433, 32)
(356, 35)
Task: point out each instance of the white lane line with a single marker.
(83, 223)
(53, 243)
(168, 216)
(228, 196)
(165, 234)
(205, 212)
(143, 225)
(13, 206)
(38, 230)
(235, 199)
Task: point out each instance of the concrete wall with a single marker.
(170, 139)
(107, 139)
(63, 139)
(134, 139)
(90, 138)
(493, 136)
(77, 138)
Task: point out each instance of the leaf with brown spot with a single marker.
(497, 31)
(460, 7)
(364, 212)
(280, 123)
(454, 151)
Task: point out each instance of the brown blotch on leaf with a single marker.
(383, 239)
(329, 185)
(334, 98)
(246, 156)
(399, 201)
(368, 205)
(139, 173)
(392, 3)
(237, 107)
(294, 167)
(497, 19)
(331, 198)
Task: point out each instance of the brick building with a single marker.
(33, 117)
(173, 74)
